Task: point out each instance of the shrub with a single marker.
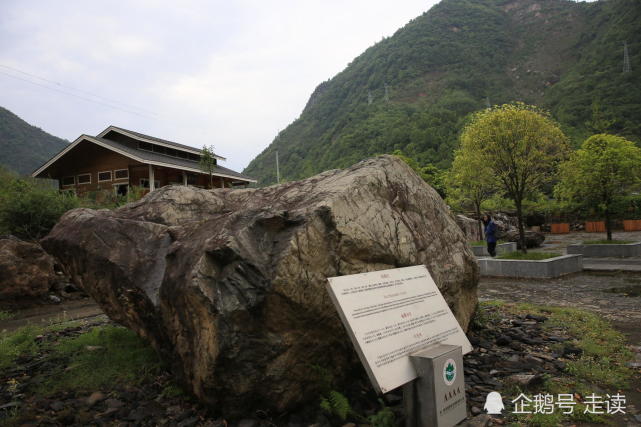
(29, 209)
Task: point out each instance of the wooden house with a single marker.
(118, 159)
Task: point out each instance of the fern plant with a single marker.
(383, 418)
(336, 404)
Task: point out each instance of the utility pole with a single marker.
(277, 170)
(370, 98)
(487, 102)
(626, 58)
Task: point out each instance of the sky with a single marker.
(231, 74)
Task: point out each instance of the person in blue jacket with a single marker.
(490, 234)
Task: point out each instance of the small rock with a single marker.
(514, 358)
(515, 345)
(392, 398)
(475, 410)
(94, 347)
(246, 422)
(537, 318)
(634, 365)
(114, 403)
(173, 410)
(194, 420)
(95, 397)
(54, 299)
(478, 421)
(108, 413)
(10, 405)
(570, 350)
(503, 340)
(57, 406)
(521, 379)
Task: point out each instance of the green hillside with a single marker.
(412, 91)
(24, 147)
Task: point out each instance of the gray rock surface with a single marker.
(533, 239)
(229, 285)
(26, 270)
(470, 228)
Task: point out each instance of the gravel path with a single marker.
(591, 291)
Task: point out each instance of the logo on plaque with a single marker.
(449, 371)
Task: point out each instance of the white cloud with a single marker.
(228, 73)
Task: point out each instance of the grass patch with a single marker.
(607, 242)
(600, 369)
(105, 355)
(530, 256)
(19, 343)
(6, 315)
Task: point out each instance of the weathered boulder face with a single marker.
(470, 228)
(230, 284)
(26, 270)
(533, 239)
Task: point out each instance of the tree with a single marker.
(469, 181)
(603, 171)
(522, 147)
(429, 173)
(208, 162)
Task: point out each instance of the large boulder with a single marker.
(26, 270)
(533, 239)
(229, 285)
(470, 228)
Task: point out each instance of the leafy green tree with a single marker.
(434, 176)
(599, 122)
(521, 145)
(469, 181)
(208, 163)
(601, 173)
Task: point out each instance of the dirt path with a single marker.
(556, 242)
(47, 314)
(591, 291)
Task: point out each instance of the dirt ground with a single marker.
(558, 242)
(589, 291)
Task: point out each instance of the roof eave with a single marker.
(152, 141)
(129, 155)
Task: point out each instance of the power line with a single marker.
(109, 103)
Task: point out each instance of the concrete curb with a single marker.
(623, 250)
(545, 269)
(501, 248)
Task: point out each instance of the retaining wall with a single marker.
(605, 251)
(501, 248)
(547, 268)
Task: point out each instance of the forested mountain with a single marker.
(24, 147)
(413, 90)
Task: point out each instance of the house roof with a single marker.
(144, 156)
(153, 140)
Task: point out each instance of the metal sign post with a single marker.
(406, 335)
(437, 397)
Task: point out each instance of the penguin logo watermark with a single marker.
(494, 403)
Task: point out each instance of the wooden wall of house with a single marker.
(89, 158)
